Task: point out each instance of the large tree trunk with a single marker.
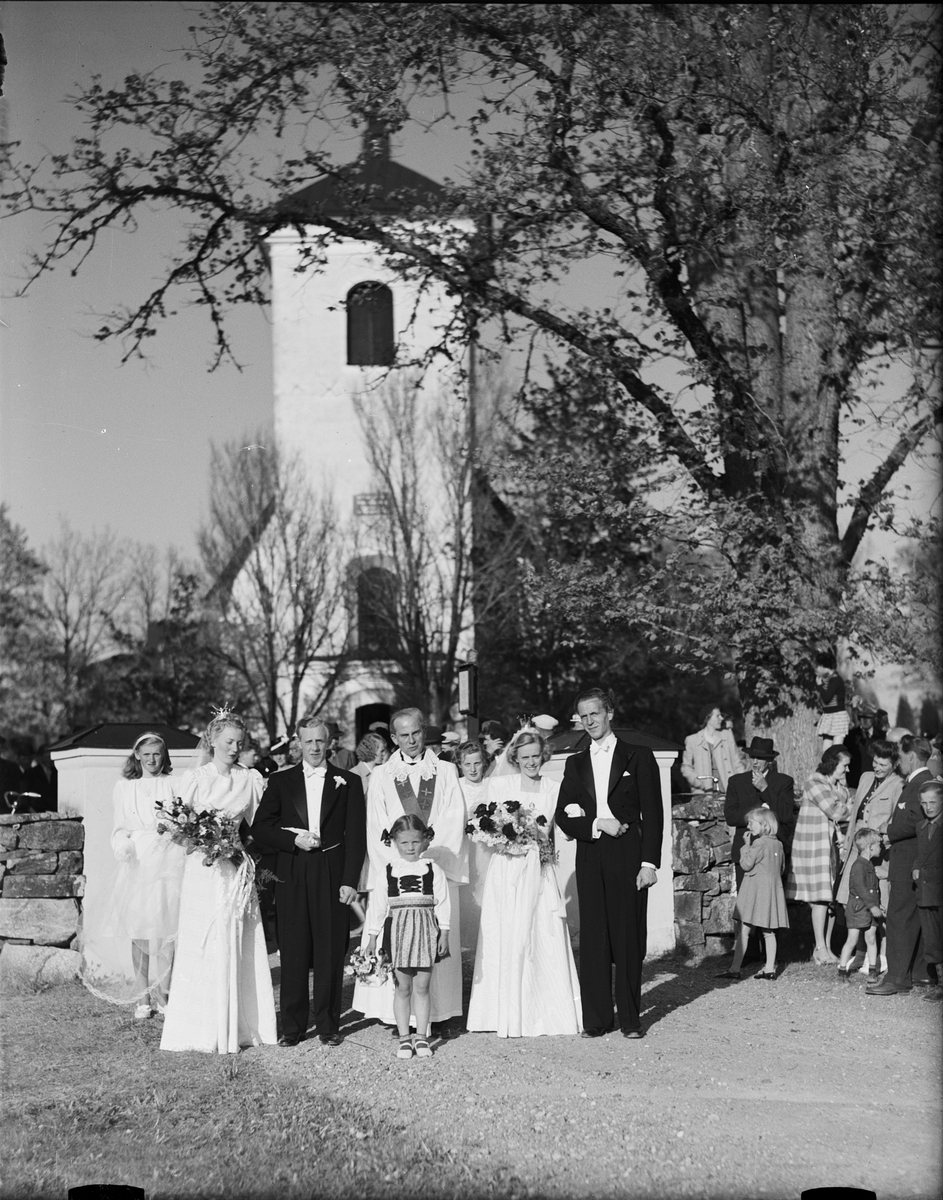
(793, 736)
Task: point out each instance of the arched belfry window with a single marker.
(370, 325)
(376, 611)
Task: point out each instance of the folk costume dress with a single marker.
(417, 908)
(144, 904)
(814, 857)
(525, 982)
(761, 901)
(221, 992)
(429, 788)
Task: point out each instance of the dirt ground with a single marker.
(749, 1089)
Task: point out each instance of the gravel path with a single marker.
(747, 1089)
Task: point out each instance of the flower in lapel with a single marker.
(339, 781)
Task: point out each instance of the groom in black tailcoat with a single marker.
(610, 802)
(313, 814)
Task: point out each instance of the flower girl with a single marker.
(415, 925)
(761, 903)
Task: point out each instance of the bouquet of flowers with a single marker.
(511, 828)
(371, 969)
(211, 833)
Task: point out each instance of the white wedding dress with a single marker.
(525, 982)
(221, 988)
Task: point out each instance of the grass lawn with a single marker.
(89, 1098)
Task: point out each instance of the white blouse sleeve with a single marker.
(121, 844)
(440, 890)
(257, 784)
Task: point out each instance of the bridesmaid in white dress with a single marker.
(221, 992)
(128, 952)
(525, 981)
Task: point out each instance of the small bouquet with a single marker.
(511, 828)
(211, 833)
(371, 969)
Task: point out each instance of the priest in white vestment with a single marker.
(418, 781)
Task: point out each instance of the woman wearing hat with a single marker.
(814, 854)
(762, 786)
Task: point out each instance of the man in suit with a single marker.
(761, 786)
(313, 814)
(903, 916)
(610, 802)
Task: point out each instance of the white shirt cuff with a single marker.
(651, 865)
(596, 833)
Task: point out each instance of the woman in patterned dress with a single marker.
(814, 856)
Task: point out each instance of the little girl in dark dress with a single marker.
(415, 925)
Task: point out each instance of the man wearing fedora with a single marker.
(760, 787)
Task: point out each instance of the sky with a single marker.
(84, 437)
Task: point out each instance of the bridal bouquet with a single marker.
(211, 833)
(371, 969)
(510, 828)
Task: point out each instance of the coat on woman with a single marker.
(870, 809)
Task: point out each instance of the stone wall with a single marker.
(41, 885)
(703, 874)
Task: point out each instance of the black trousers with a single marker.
(313, 929)
(903, 932)
(613, 928)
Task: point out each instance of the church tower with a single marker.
(338, 328)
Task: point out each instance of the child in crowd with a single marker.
(472, 762)
(863, 908)
(761, 902)
(928, 877)
(415, 925)
(833, 724)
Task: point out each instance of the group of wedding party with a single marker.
(186, 901)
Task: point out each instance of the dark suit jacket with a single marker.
(780, 796)
(902, 830)
(634, 795)
(929, 862)
(343, 816)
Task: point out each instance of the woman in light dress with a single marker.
(221, 998)
(140, 916)
(525, 982)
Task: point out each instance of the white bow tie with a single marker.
(600, 748)
(321, 772)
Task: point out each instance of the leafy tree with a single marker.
(26, 687)
(761, 183)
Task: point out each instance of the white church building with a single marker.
(339, 325)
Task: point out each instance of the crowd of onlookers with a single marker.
(859, 840)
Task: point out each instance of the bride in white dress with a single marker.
(221, 990)
(525, 981)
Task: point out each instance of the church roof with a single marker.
(374, 181)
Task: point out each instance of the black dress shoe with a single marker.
(594, 1033)
(632, 1033)
(886, 988)
(330, 1039)
(288, 1039)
